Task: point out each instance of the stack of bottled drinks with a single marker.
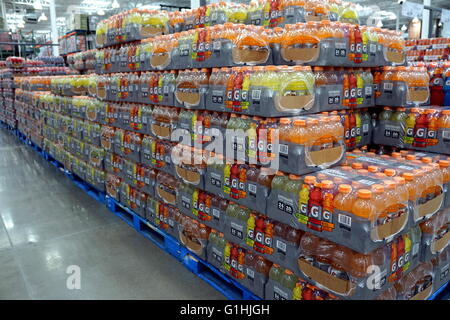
(243, 157)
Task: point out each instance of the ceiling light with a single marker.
(37, 5)
(379, 24)
(20, 25)
(101, 12)
(115, 4)
(415, 20)
(404, 28)
(43, 17)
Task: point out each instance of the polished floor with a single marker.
(47, 224)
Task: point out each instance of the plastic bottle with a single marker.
(420, 130)
(402, 196)
(343, 201)
(364, 205)
(432, 127)
(315, 208)
(327, 203)
(275, 273)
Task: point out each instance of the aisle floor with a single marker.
(48, 224)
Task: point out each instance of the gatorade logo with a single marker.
(229, 95)
(346, 93)
(304, 208)
(234, 183)
(250, 234)
(327, 216)
(364, 48)
(347, 134)
(359, 93)
(227, 181)
(353, 93)
(241, 186)
(269, 147)
(438, 82)
(358, 47)
(431, 134)
(261, 145)
(234, 264)
(201, 207)
(406, 257)
(259, 237)
(237, 95)
(268, 242)
(252, 144)
(394, 267)
(353, 133)
(400, 262)
(358, 131)
(244, 95)
(315, 212)
(420, 133)
(410, 132)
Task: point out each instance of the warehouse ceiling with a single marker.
(386, 10)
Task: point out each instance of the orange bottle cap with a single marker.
(285, 120)
(300, 122)
(378, 188)
(327, 184)
(410, 157)
(364, 194)
(444, 163)
(427, 160)
(389, 172)
(400, 180)
(357, 165)
(372, 169)
(279, 173)
(310, 179)
(408, 176)
(345, 188)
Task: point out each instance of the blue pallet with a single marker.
(444, 288)
(218, 280)
(224, 284)
(92, 191)
(147, 229)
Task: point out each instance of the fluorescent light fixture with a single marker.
(115, 4)
(404, 28)
(20, 25)
(149, 6)
(37, 4)
(101, 12)
(379, 24)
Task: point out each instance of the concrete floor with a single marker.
(48, 224)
